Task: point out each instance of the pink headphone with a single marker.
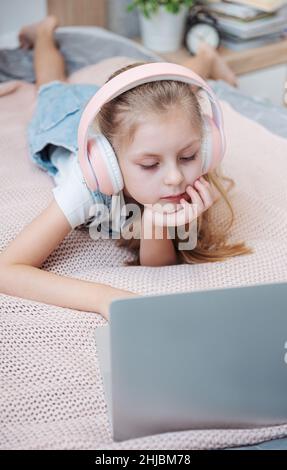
(97, 158)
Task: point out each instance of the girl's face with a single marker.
(162, 160)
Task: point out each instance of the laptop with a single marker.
(204, 359)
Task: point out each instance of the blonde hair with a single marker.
(118, 121)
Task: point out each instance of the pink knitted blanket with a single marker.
(52, 392)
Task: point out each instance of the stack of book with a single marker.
(245, 24)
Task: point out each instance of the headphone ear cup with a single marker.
(211, 147)
(104, 167)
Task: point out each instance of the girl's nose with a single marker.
(173, 176)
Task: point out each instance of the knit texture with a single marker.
(51, 388)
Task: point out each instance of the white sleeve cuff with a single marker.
(74, 198)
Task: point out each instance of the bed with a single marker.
(52, 395)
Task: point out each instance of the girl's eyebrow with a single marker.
(146, 153)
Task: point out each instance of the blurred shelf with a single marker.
(241, 62)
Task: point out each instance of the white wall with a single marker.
(16, 13)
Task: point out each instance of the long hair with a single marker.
(118, 120)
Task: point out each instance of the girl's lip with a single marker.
(176, 198)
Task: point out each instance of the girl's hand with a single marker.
(114, 294)
(202, 197)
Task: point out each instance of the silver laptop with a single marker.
(205, 359)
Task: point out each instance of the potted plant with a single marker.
(162, 22)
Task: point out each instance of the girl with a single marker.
(157, 163)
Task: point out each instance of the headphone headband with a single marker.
(133, 77)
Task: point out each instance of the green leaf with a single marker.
(130, 8)
(150, 7)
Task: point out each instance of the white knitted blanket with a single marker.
(51, 388)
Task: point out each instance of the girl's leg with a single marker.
(210, 65)
(49, 63)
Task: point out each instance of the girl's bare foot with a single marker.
(27, 34)
(219, 70)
